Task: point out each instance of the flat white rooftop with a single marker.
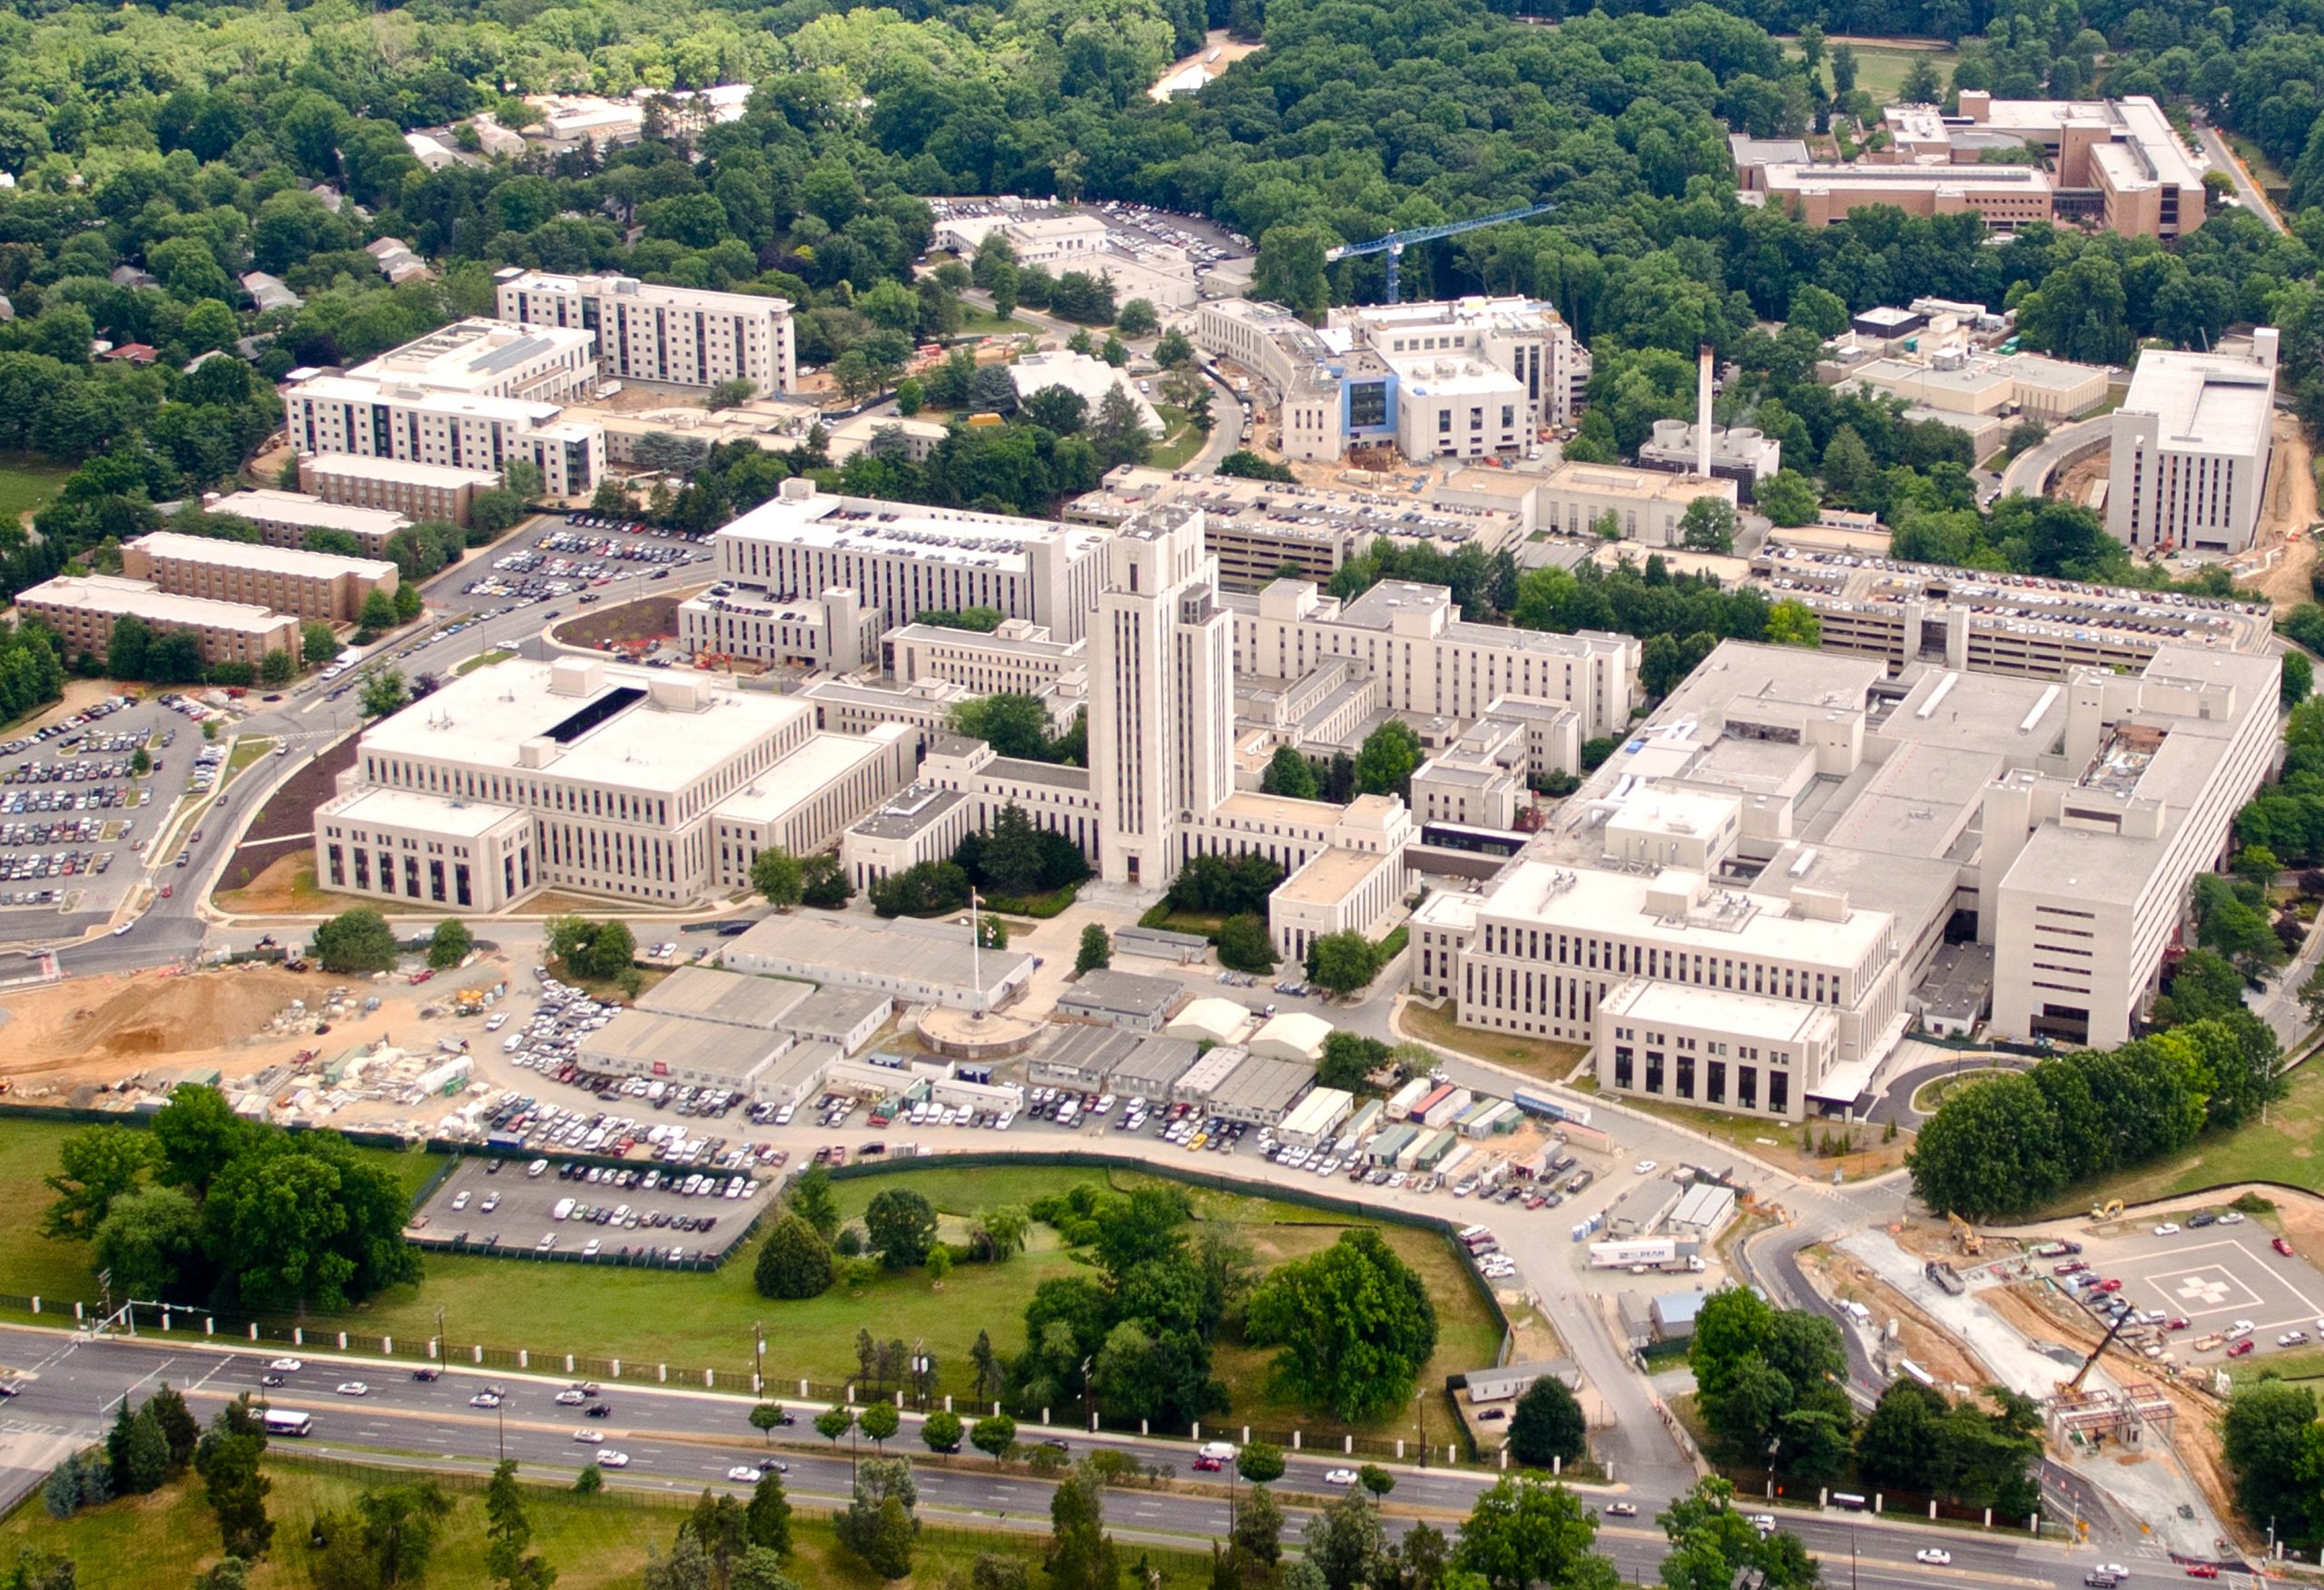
(484, 720)
(614, 285)
(409, 808)
(798, 776)
(871, 527)
(1747, 1015)
(121, 598)
(296, 507)
(391, 389)
(257, 555)
(471, 354)
(1584, 900)
(2203, 402)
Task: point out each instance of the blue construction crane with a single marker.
(1394, 243)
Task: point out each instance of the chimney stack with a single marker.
(1703, 356)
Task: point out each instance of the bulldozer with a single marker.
(1964, 1235)
(2106, 1210)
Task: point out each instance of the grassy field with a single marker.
(1778, 1143)
(27, 482)
(694, 1320)
(247, 750)
(483, 660)
(594, 1543)
(973, 318)
(1535, 1056)
(44, 1267)
(2282, 1149)
(1180, 440)
(1880, 69)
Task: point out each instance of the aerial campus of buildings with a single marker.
(1972, 808)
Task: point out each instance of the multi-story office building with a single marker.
(1256, 529)
(2188, 464)
(831, 631)
(1466, 379)
(1427, 660)
(84, 609)
(286, 518)
(402, 486)
(578, 774)
(1017, 657)
(1162, 686)
(1647, 505)
(2115, 163)
(678, 336)
(472, 396)
(1739, 909)
(1992, 622)
(2089, 856)
(903, 559)
(307, 584)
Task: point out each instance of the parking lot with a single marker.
(2225, 1278)
(579, 557)
(642, 1214)
(76, 819)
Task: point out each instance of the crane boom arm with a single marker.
(1422, 234)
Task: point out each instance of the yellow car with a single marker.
(1196, 1142)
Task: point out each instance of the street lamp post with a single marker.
(443, 1349)
(758, 1358)
(1420, 1406)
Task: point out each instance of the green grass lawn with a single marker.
(696, 1321)
(2282, 1149)
(27, 482)
(247, 750)
(1880, 69)
(1542, 1057)
(704, 1321)
(38, 1266)
(973, 318)
(594, 1543)
(1180, 440)
(483, 660)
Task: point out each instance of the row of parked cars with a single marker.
(71, 772)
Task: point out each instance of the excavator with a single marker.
(1964, 1235)
(2106, 1210)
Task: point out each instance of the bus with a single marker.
(289, 1421)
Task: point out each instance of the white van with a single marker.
(1857, 1312)
(1221, 1451)
(563, 1210)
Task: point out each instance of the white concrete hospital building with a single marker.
(580, 774)
(1739, 909)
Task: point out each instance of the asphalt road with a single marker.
(2029, 473)
(686, 1441)
(2248, 191)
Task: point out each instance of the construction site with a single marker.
(2120, 1333)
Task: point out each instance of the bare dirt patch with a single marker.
(1922, 1340)
(652, 618)
(2285, 518)
(2081, 479)
(105, 1030)
(2195, 1441)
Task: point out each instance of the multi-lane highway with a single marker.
(684, 1440)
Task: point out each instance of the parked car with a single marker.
(2283, 1245)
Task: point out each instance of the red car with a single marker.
(2202, 1570)
(2283, 1246)
(2179, 1324)
(2242, 1347)
(2071, 1267)
(1207, 1466)
(2111, 1284)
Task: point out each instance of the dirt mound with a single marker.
(151, 1014)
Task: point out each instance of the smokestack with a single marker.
(1702, 411)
